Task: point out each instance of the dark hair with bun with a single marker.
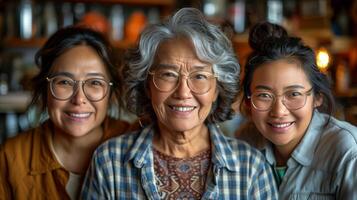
(270, 42)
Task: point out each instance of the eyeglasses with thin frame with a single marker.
(64, 87)
(292, 99)
(167, 80)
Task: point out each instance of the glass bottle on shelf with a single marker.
(67, 14)
(50, 18)
(117, 22)
(342, 77)
(275, 11)
(25, 19)
(237, 15)
(4, 87)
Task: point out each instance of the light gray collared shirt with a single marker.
(323, 165)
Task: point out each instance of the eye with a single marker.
(95, 82)
(293, 94)
(266, 96)
(167, 75)
(63, 81)
(200, 75)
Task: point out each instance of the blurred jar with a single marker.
(342, 76)
(25, 19)
(4, 87)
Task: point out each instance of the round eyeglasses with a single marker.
(63, 87)
(292, 100)
(167, 80)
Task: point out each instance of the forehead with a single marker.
(179, 53)
(280, 74)
(79, 61)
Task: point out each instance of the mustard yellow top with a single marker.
(29, 169)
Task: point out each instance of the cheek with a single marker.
(206, 103)
(157, 103)
(259, 119)
(102, 106)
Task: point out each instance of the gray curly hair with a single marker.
(211, 45)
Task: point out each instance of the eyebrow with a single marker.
(72, 76)
(286, 88)
(172, 66)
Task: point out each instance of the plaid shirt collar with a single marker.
(222, 154)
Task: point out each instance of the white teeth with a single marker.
(79, 115)
(281, 125)
(182, 109)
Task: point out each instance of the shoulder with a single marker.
(340, 133)
(244, 150)
(338, 141)
(18, 151)
(21, 143)
(116, 147)
(234, 148)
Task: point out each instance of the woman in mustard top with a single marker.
(76, 85)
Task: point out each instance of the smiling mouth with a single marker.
(182, 108)
(281, 125)
(79, 115)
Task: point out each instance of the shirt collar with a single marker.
(222, 153)
(141, 148)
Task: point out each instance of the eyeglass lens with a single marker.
(293, 100)
(199, 81)
(63, 87)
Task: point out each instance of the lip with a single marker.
(280, 126)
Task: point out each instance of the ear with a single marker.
(318, 100)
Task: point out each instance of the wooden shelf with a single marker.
(15, 101)
(24, 43)
(39, 42)
(169, 3)
(350, 93)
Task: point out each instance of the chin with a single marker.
(77, 132)
(179, 127)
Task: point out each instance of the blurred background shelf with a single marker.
(39, 42)
(25, 25)
(15, 102)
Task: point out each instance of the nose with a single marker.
(278, 109)
(183, 91)
(79, 97)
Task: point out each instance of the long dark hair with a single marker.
(63, 40)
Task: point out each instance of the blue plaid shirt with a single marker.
(123, 168)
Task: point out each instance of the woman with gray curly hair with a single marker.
(183, 76)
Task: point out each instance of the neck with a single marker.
(281, 155)
(183, 144)
(80, 149)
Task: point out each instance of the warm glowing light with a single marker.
(322, 59)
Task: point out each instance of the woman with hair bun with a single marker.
(290, 104)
